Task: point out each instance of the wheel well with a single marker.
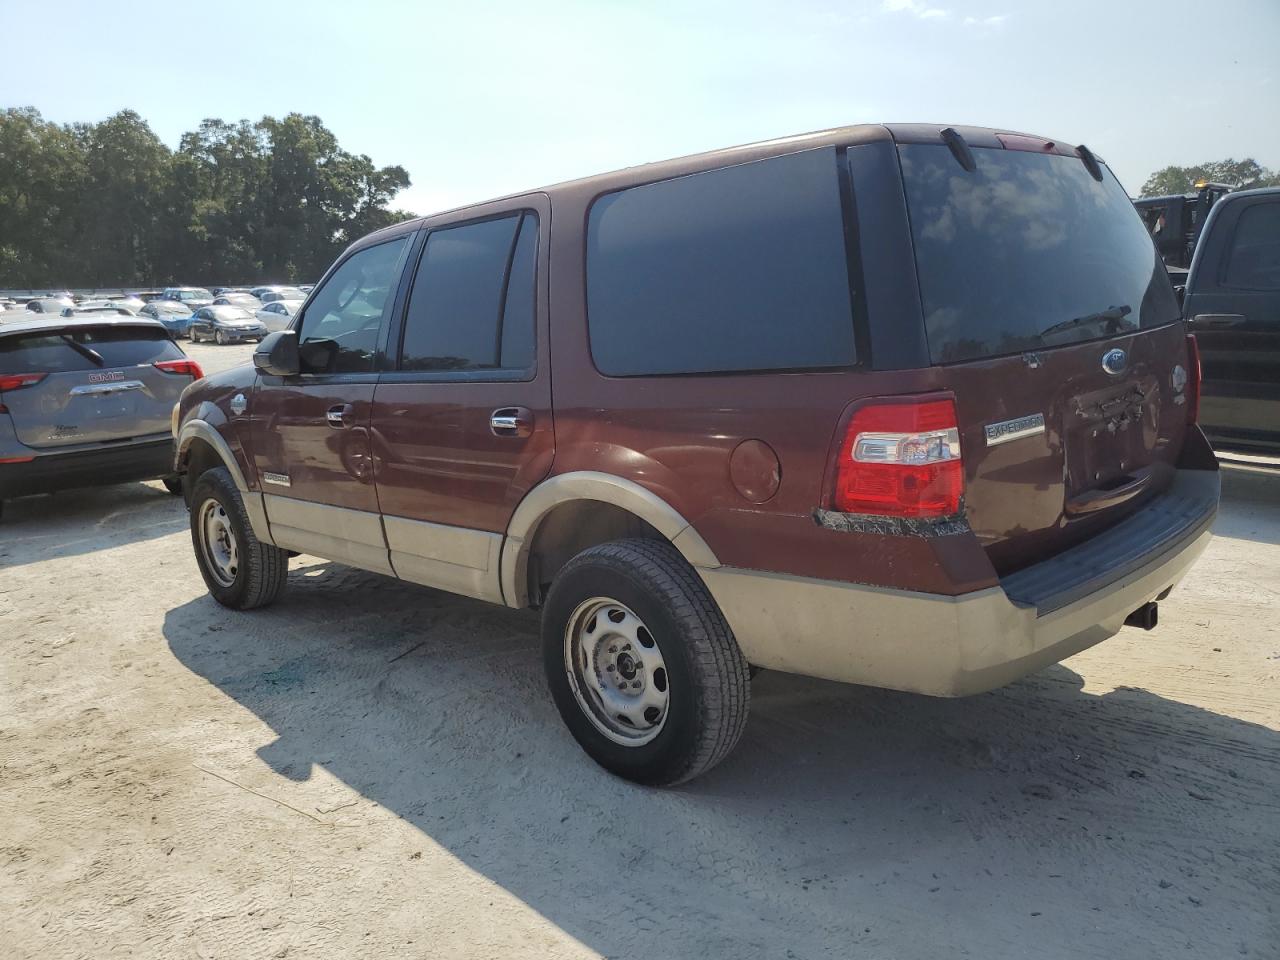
(200, 456)
(573, 527)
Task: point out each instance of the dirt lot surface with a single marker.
(370, 769)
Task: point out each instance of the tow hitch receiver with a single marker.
(1146, 616)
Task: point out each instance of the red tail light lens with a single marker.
(1194, 376)
(183, 367)
(901, 459)
(16, 381)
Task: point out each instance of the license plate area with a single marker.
(1111, 434)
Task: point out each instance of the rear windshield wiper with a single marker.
(84, 351)
(1111, 316)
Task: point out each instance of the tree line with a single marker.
(1244, 174)
(109, 204)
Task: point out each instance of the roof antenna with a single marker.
(959, 149)
(1090, 162)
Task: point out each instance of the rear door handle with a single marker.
(339, 416)
(511, 422)
(1217, 320)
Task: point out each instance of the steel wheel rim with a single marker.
(616, 671)
(218, 542)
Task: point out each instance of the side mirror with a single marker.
(1180, 291)
(277, 355)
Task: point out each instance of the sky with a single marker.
(478, 99)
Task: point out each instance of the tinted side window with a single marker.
(742, 268)
(472, 303)
(1254, 261)
(339, 332)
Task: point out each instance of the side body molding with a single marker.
(591, 485)
(196, 428)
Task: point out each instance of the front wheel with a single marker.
(241, 571)
(221, 338)
(641, 663)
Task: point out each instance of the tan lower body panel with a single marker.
(334, 533)
(920, 642)
(456, 559)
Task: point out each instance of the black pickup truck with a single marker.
(1232, 303)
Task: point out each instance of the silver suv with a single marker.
(86, 401)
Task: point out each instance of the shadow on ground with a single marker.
(73, 522)
(901, 823)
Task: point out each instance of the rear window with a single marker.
(738, 269)
(1027, 252)
(55, 351)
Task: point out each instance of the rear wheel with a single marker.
(220, 337)
(641, 663)
(241, 571)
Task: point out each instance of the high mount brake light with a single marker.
(16, 381)
(185, 367)
(901, 458)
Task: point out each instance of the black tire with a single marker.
(709, 691)
(219, 338)
(261, 571)
(173, 484)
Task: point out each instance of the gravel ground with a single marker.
(375, 769)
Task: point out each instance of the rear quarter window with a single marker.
(55, 351)
(1254, 261)
(732, 270)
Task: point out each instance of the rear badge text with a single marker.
(1007, 430)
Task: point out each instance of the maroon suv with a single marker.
(893, 405)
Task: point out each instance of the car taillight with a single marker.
(901, 458)
(1194, 376)
(16, 381)
(184, 367)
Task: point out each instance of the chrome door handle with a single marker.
(511, 422)
(337, 416)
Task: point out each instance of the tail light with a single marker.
(901, 458)
(184, 367)
(1194, 376)
(16, 381)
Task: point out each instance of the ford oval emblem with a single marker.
(1115, 361)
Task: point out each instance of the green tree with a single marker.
(108, 204)
(1246, 174)
(42, 197)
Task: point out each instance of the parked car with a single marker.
(86, 401)
(54, 305)
(131, 302)
(92, 311)
(932, 440)
(277, 314)
(283, 293)
(1232, 303)
(234, 299)
(193, 297)
(225, 325)
(176, 317)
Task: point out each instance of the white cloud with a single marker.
(985, 21)
(916, 8)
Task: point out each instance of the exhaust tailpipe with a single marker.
(1146, 616)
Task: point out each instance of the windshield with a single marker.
(1027, 252)
(196, 294)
